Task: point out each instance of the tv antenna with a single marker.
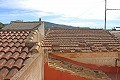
(106, 9)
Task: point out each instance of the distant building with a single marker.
(21, 57)
(88, 53)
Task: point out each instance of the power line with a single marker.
(89, 9)
(113, 9)
(106, 9)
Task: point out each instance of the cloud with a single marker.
(68, 8)
(83, 12)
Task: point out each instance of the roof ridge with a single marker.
(16, 29)
(27, 22)
(31, 43)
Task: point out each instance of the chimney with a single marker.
(39, 19)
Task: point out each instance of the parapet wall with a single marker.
(53, 74)
(32, 71)
(100, 58)
(104, 68)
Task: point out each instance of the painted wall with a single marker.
(107, 69)
(112, 72)
(52, 74)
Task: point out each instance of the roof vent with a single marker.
(16, 21)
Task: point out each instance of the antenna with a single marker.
(106, 13)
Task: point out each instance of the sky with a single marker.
(78, 13)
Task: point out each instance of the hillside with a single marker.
(54, 25)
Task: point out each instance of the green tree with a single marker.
(1, 25)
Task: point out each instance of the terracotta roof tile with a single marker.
(13, 52)
(2, 62)
(25, 50)
(28, 55)
(11, 44)
(11, 73)
(66, 38)
(20, 40)
(17, 44)
(19, 49)
(1, 54)
(5, 49)
(7, 55)
(9, 63)
(12, 49)
(14, 56)
(1, 48)
(18, 64)
(9, 40)
(3, 73)
(23, 55)
(5, 44)
(22, 44)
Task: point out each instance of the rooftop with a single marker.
(13, 52)
(20, 25)
(80, 40)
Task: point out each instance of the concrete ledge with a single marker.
(32, 69)
(36, 48)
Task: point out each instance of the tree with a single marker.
(1, 25)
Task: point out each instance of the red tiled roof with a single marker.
(13, 52)
(85, 40)
(21, 25)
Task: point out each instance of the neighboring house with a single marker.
(21, 25)
(80, 40)
(21, 57)
(96, 49)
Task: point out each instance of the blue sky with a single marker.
(79, 13)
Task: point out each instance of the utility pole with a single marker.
(105, 13)
(105, 26)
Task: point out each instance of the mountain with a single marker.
(54, 25)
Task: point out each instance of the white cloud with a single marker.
(68, 9)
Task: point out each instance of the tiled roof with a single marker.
(116, 33)
(13, 52)
(84, 40)
(21, 25)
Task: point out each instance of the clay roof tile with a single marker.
(23, 55)
(5, 49)
(7, 55)
(18, 63)
(1, 54)
(15, 56)
(2, 62)
(11, 74)
(13, 52)
(3, 73)
(9, 63)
